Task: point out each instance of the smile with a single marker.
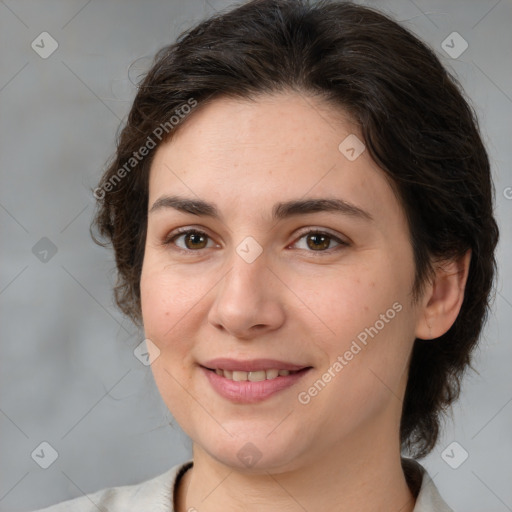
(249, 387)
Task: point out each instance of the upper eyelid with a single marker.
(325, 231)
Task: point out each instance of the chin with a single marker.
(253, 451)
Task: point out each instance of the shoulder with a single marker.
(155, 494)
(428, 498)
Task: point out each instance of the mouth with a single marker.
(251, 381)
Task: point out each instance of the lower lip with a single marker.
(247, 392)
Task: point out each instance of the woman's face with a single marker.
(312, 287)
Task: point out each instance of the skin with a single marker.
(294, 302)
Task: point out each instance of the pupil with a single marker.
(194, 240)
(319, 238)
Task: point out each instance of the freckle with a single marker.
(366, 308)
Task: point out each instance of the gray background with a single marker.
(68, 373)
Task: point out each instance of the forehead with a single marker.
(276, 147)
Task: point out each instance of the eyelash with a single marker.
(185, 231)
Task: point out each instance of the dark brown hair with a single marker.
(415, 123)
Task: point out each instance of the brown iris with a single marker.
(196, 240)
(319, 241)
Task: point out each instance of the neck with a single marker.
(362, 473)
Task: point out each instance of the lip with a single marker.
(247, 392)
(252, 365)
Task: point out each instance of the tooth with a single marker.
(257, 376)
(272, 374)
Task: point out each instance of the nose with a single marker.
(248, 300)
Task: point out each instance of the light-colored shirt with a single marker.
(157, 494)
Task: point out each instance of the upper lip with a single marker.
(252, 365)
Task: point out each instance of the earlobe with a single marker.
(443, 298)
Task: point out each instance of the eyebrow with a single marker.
(280, 210)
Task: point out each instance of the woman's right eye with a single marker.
(192, 240)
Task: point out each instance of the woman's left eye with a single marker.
(319, 241)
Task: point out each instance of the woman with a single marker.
(301, 210)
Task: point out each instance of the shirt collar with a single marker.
(421, 484)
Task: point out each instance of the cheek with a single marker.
(348, 301)
(167, 298)
(365, 319)
(364, 371)
(155, 303)
(163, 305)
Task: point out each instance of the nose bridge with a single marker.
(246, 296)
(248, 276)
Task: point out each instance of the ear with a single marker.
(443, 298)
